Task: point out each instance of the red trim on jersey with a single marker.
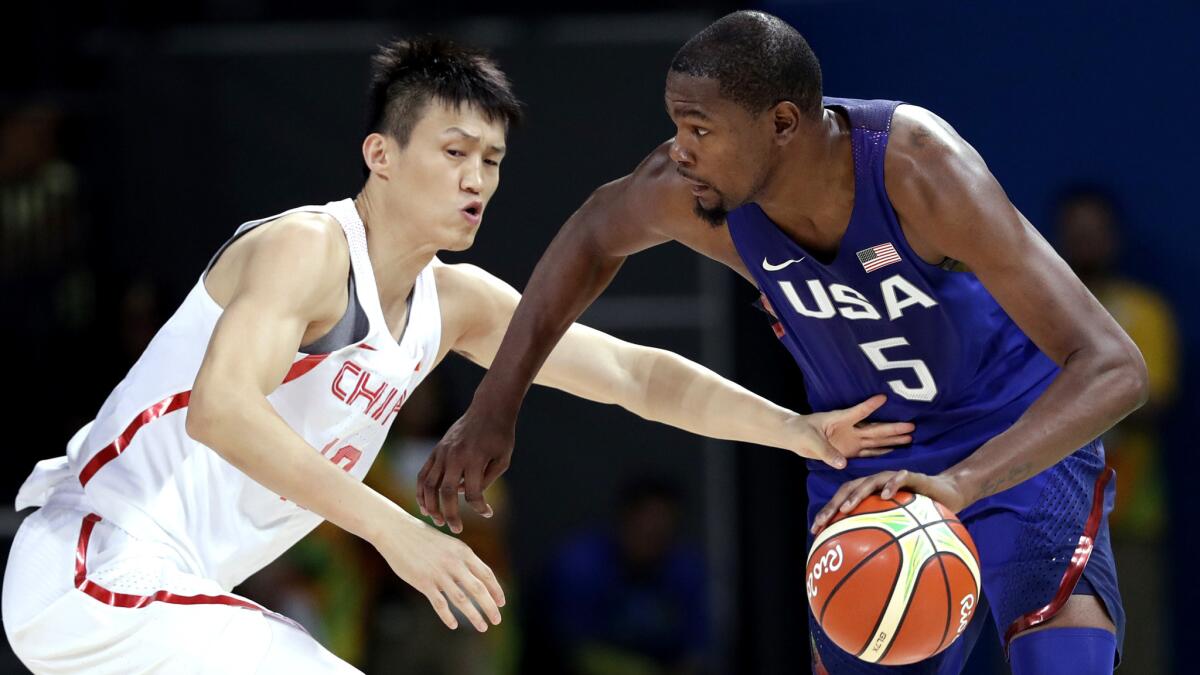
(1083, 551)
(303, 366)
(169, 405)
(131, 601)
(110, 452)
(367, 346)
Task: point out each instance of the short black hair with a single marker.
(407, 74)
(758, 60)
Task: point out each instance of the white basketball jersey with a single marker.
(137, 468)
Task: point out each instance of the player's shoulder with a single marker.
(919, 138)
(308, 244)
(654, 191)
(299, 260)
(309, 233)
(657, 174)
(453, 275)
(925, 154)
(462, 284)
(306, 251)
(472, 299)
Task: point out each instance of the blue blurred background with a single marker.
(134, 137)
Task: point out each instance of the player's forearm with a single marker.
(673, 390)
(248, 433)
(1091, 394)
(569, 276)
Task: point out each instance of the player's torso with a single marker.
(879, 319)
(140, 469)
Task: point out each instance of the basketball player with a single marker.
(256, 410)
(892, 262)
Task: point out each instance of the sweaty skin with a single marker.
(949, 206)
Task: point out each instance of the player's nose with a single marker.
(471, 180)
(678, 153)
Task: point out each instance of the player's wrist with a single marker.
(394, 529)
(964, 483)
(495, 404)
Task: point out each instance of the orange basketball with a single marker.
(894, 581)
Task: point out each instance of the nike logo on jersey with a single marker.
(775, 268)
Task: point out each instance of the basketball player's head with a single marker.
(439, 114)
(738, 92)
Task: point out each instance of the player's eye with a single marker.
(491, 162)
(700, 131)
(456, 153)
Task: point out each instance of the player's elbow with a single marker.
(650, 383)
(199, 423)
(205, 416)
(1130, 378)
(1140, 381)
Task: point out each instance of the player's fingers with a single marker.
(883, 429)
(896, 482)
(427, 487)
(485, 574)
(493, 471)
(448, 494)
(480, 593)
(867, 487)
(473, 490)
(875, 452)
(442, 608)
(886, 441)
(460, 600)
(829, 509)
(863, 410)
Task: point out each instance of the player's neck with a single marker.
(397, 254)
(810, 191)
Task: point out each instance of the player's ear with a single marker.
(375, 153)
(786, 119)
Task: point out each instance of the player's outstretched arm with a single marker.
(655, 384)
(952, 205)
(620, 218)
(285, 277)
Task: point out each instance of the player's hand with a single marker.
(472, 454)
(839, 434)
(939, 488)
(445, 571)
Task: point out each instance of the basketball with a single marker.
(894, 581)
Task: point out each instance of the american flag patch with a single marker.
(878, 256)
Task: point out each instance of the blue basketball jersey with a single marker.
(878, 319)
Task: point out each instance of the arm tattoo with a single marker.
(921, 136)
(1015, 475)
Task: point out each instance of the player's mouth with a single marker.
(698, 187)
(473, 212)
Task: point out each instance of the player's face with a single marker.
(720, 148)
(445, 176)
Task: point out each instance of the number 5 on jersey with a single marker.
(927, 389)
